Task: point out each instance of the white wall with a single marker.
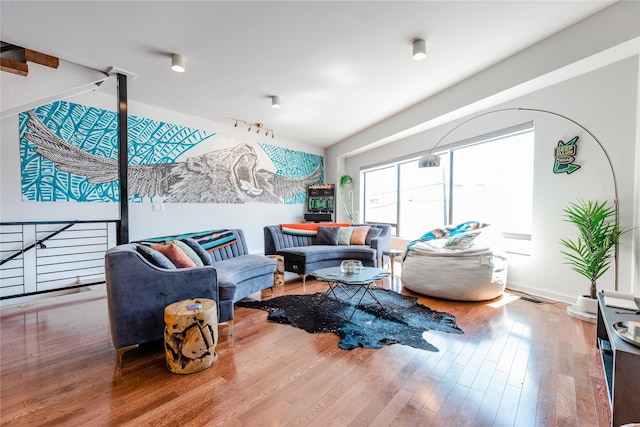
(589, 73)
(144, 221)
(611, 119)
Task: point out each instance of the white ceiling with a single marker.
(338, 66)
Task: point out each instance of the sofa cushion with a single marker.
(372, 234)
(198, 249)
(327, 236)
(311, 254)
(359, 235)
(154, 257)
(189, 252)
(344, 237)
(234, 271)
(175, 254)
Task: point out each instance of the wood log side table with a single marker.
(190, 335)
(278, 276)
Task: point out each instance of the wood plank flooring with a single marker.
(518, 363)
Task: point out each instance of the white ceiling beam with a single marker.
(45, 84)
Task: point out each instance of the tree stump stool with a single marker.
(190, 335)
(278, 276)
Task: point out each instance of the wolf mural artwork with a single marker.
(230, 175)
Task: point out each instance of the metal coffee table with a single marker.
(360, 281)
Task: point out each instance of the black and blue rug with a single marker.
(401, 321)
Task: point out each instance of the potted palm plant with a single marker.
(344, 181)
(598, 232)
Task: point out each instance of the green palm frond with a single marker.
(598, 232)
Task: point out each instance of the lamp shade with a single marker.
(429, 161)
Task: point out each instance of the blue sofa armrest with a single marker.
(138, 291)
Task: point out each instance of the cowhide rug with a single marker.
(402, 320)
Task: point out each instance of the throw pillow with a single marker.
(359, 235)
(197, 248)
(327, 236)
(371, 234)
(189, 252)
(155, 257)
(461, 241)
(175, 254)
(344, 236)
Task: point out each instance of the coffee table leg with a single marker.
(370, 291)
(331, 290)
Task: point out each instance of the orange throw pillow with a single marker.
(175, 254)
(359, 235)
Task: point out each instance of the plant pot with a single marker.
(588, 304)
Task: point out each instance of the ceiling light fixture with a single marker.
(177, 63)
(258, 126)
(275, 101)
(419, 49)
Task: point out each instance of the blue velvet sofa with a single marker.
(304, 254)
(140, 286)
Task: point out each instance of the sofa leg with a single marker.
(304, 280)
(228, 323)
(121, 351)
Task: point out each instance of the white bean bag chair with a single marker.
(475, 273)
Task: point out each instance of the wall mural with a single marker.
(69, 153)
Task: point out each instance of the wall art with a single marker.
(69, 153)
(565, 154)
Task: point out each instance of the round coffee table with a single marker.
(360, 281)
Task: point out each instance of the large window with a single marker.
(381, 200)
(488, 179)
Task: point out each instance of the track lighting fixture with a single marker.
(419, 49)
(258, 126)
(275, 101)
(177, 63)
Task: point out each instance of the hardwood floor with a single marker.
(518, 363)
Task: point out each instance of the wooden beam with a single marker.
(15, 67)
(41, 58)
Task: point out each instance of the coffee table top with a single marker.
(364, 277)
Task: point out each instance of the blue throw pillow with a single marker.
(198, 249)
(155, 257)
(371, 234)
(327, 236)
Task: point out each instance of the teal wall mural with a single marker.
(69, 153)
(294, 164)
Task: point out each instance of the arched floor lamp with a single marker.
(433, 160)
